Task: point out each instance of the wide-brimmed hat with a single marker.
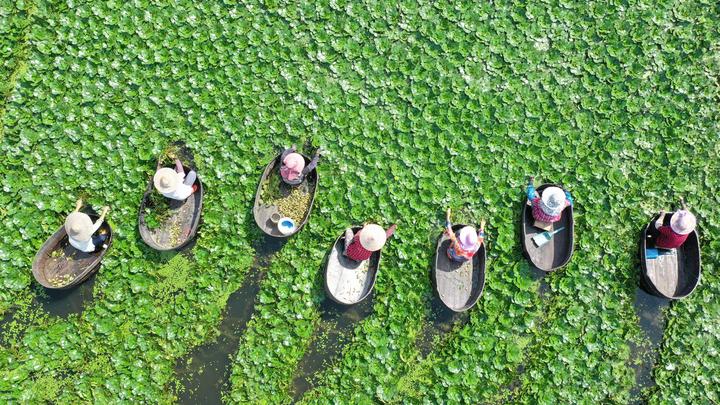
(295, 161)
(166, 180)
(372, 237)
(468, 238)
(79, 226)
(553, 200)
(683, 222)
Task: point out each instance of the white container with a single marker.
(286, 226)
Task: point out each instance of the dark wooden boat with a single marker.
(181, 226)
(671, 276)
(60, 266)
(263, 211)
(458, 285)
(556, 253)
(348, 282)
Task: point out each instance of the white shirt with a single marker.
(87, 246)
(181, 192)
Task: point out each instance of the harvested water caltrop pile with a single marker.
(418, 106)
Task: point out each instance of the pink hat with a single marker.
(468, 238)
(294, 165)
(683, 222)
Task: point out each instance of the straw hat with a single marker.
(553, 200)
(79, 226)
(372, 237)
(166, 180)
(683, 222)
(468, 238)
(295, 161)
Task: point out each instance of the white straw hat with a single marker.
(553, 200)
(79, 226)
(372, 237)
(683, 222)
(166, 180)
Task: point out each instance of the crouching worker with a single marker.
(549, 206)
(371, 238)
(175, 184)
(83, 234)
(465, 242)
(682, 224)
(292, 166)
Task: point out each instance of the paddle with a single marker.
(545, 237)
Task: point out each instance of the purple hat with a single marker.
(468, 239)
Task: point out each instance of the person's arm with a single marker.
(481, 232)
(287, 152)
(448, 223)
(78, 204)
(531, 193)
(569, 199)
(660, 220)
(390, 231)
(349, 236)
(100, 220)
(179, 167)
(312, 165)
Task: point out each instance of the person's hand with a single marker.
(662, 213)
(482, 225)
(531, 179)
(78, 204)
(105, 210)
(392, 228)
(447, 215)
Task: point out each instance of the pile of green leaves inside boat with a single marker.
(171, 209)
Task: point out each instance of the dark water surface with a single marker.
(62, 303)
(441, 321)
(205, 371)
(208, 373)
(649, 309)
(334, 332)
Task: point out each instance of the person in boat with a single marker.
(465, 242)
(83, 234)
(175, 184)
(371, 238)
(682, 224)
(292, 167)
(549, 206)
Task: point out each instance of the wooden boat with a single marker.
(181, 226)
(58, 265)
(673, 274)
(263, 212)
(458, 285)
(348, 282)
(556, 253)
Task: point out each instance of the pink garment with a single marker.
(540, 215)
(288, 173)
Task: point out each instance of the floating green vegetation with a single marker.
(157, 211)
(420, 105)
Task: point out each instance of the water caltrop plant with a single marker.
(419, 106)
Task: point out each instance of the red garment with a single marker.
(356, 251)
(540, 215)
(669, 239)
